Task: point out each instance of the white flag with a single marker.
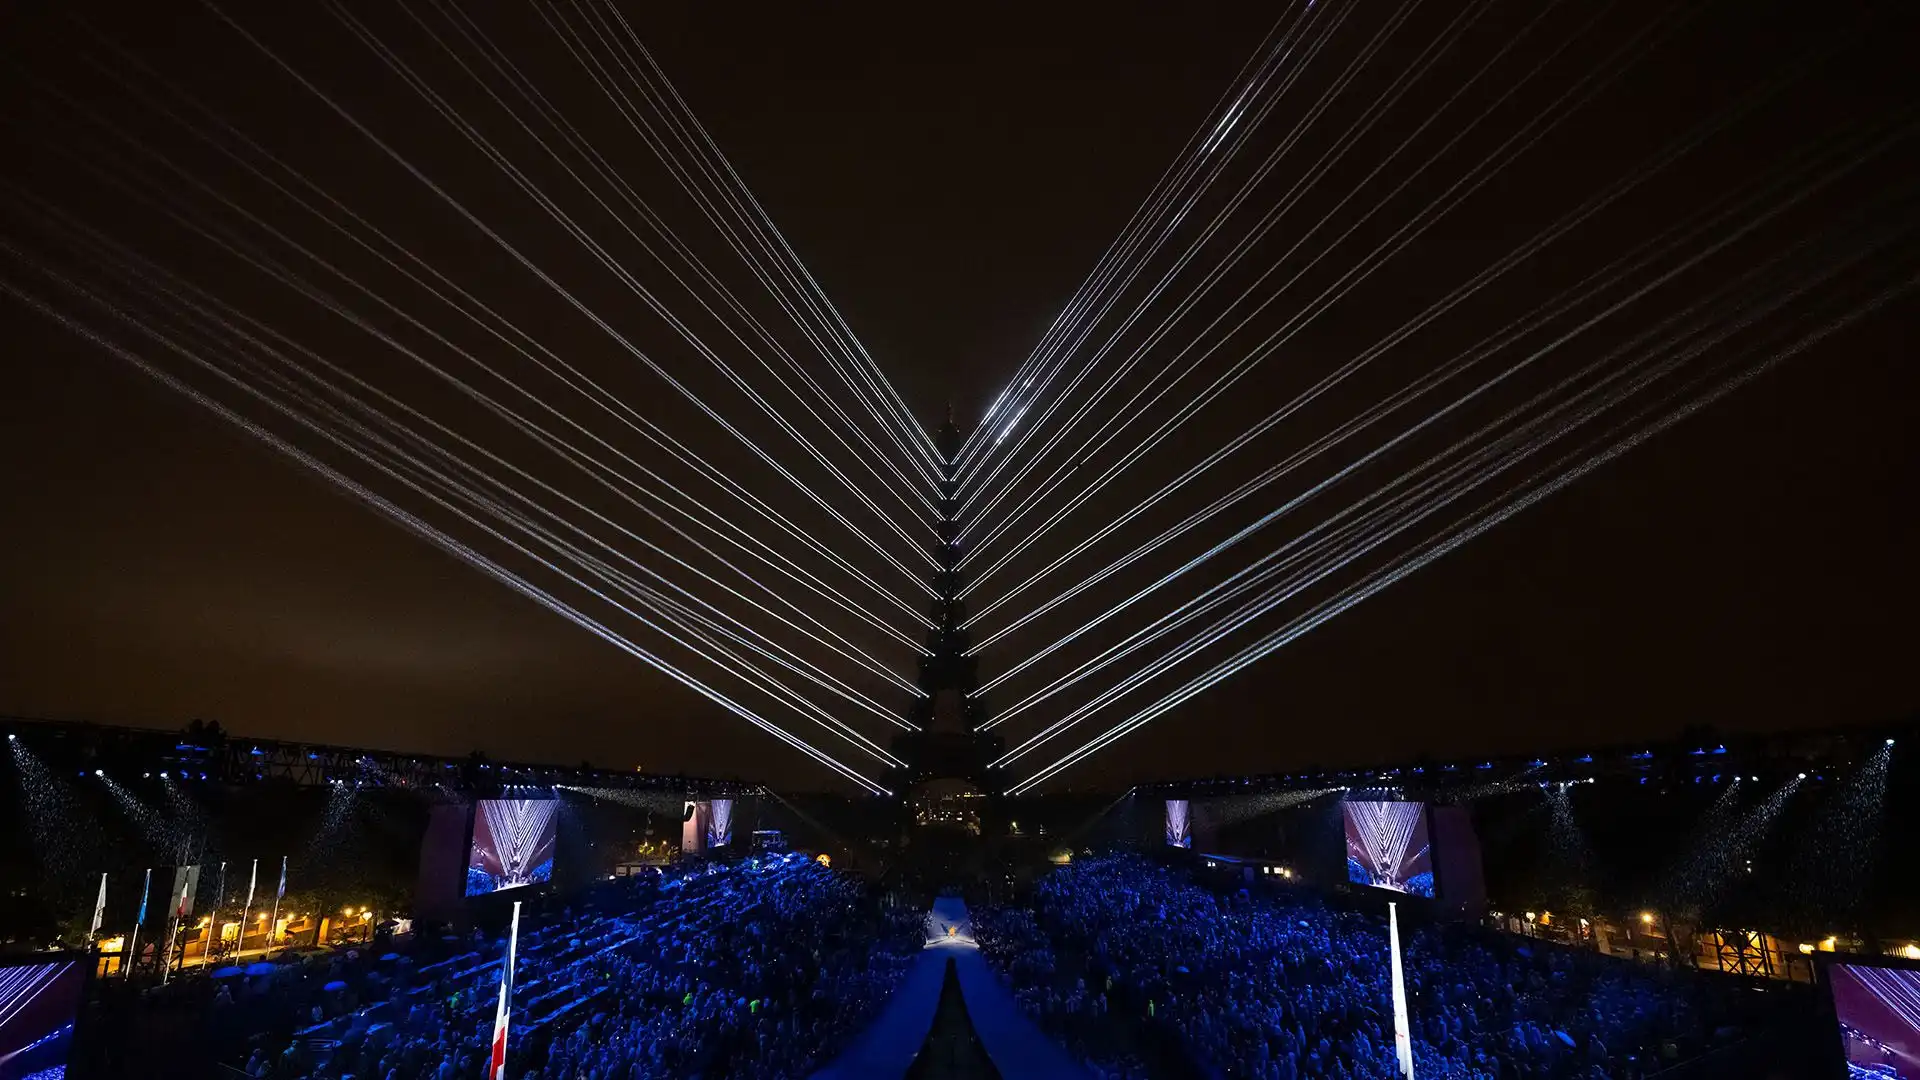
(99, 912)
(1402, 1035)
(246, 912)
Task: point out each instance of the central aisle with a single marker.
(1017, 1047)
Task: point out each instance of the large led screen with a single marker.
(1179, 823)
(38, 1006)
(720, 823)
(1387, 846)
(1879, 1013)
(513, 844)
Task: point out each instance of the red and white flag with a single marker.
(497, 1061)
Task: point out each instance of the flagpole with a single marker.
(246, 912)
(174, 925)
(1402, 1035)
(274, 923)
(133, 945)
(99, 915)
(497, 1061)
(213, 920)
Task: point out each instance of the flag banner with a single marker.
(273, 923)
(99, 912)
(186, 882)
(133, 943)
(497, 1062)
(1402, 1030)
(176, 925)
(246, 910)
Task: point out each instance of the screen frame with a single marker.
(466, 858)
(88, 962)
(1823, 963)
(710, 843)
(1166, 811)
(1426, 827)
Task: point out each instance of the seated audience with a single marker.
(1119, 953)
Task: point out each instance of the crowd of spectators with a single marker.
(1277, 985)
(1052, 988)
(763, 968)
(753, 969)
(769, 995)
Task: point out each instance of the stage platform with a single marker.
(1017, 1047)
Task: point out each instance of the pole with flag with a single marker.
(213, 921)
(133, 945)
(176, 927)
(246, 912)
(1402, 1035)
(273, 924)
(99, 914)
(497, 1061)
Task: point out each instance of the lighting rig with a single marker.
(227, 759)
(1815, 756)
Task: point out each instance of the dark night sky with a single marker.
(949, 185)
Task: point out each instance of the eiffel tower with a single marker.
(948, 745)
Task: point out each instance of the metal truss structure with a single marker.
(216, 757)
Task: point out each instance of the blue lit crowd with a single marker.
(765, 968)
(1117, 952)
(755, 969)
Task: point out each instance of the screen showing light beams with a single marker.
(38, 1006)
(1179, 823)
(1879, 1013)
(1387, 846)
(720, 823)
(513, 844)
